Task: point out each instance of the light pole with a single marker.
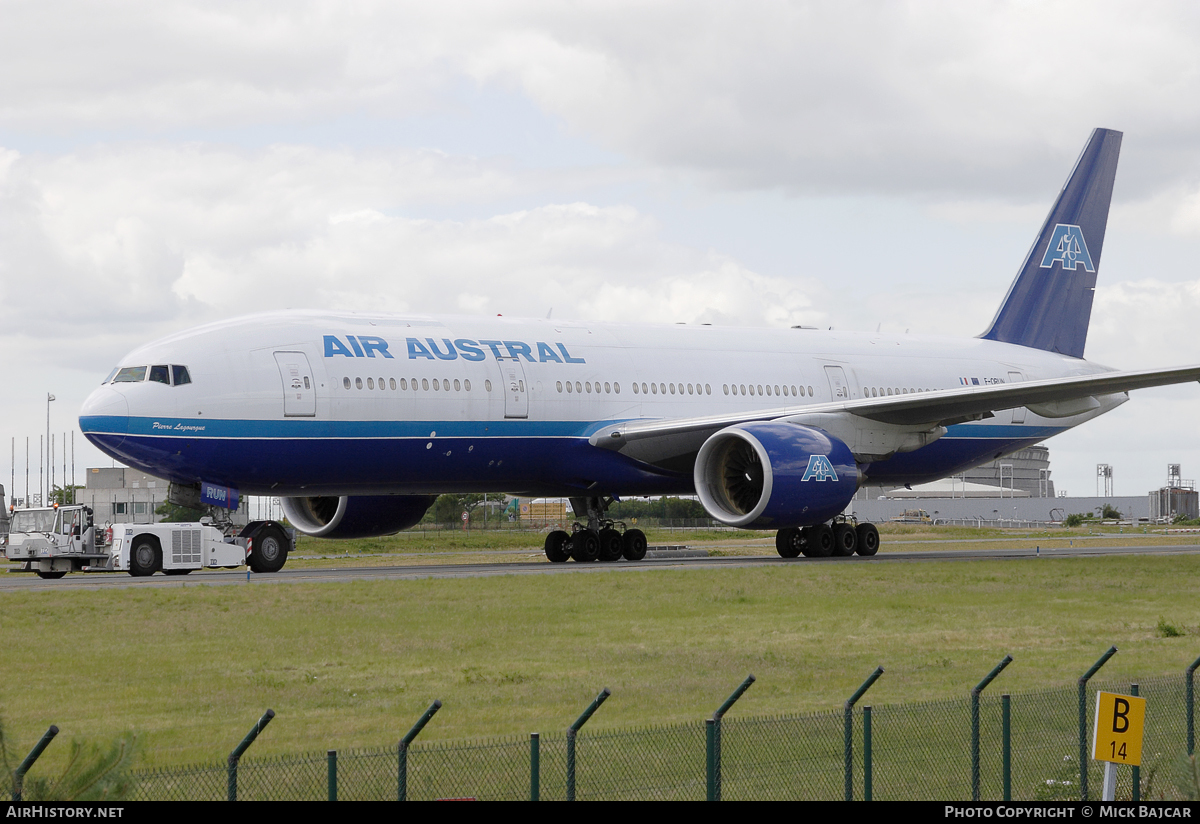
(49, 397)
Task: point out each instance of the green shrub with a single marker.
(1166, 630)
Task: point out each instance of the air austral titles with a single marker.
(357, 421)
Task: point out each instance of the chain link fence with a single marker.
(920, 751)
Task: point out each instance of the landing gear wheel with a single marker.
(611, 545)
(788, 542)
(145, 558)
(868, 539)
(269, 551)
(818, 541)
(845, 540)
(634, 545)
(585, 546)
(53, 575)
(558, 546)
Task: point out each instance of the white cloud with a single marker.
(156, 237)
(853, 96)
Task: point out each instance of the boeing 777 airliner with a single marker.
(358, 420)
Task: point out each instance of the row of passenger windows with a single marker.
(751, 389)
(882, 391)
(160, 374)
(438, 384)
(582, 387)
(170, 375)
(586, 386)
(663, 388)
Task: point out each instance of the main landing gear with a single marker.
(825, 540)
(603, 539)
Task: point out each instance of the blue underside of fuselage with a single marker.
(309, 457)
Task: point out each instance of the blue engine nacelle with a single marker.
(358, 516)
(774, 474)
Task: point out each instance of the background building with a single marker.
(125, 496)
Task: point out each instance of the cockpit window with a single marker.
(160, 374)
(130, 374)
(110, 376)
(181, 375)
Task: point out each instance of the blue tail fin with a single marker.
(1049, 305)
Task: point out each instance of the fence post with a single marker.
(27, 764)
(1191, 706)
(331, 765)
(710, 755)
(1083, 736)
(867, 783)
(713, 739)
(1006, 727)
(535, 767)
(1137, 771)
(848, 729)
(572, 730)
(236, 755)
(402, 750)
(979, 688)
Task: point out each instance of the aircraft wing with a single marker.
(660, 440)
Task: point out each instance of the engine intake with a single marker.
(359, 516)
(773, 474)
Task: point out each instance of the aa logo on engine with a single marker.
(819, 468)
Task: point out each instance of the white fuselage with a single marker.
(303, 403)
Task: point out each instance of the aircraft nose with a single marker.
(104, 418)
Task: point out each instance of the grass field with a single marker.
(458, 546)
(347, 665)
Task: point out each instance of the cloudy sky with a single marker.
(856, 165)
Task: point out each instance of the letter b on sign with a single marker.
(1120, 715)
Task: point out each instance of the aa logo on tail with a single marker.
(1068, 247)
(819, 468)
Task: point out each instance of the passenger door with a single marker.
(1018, 414)
(516, 394)
(839, 390)
(299, 390)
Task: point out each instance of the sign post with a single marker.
(1117, 735)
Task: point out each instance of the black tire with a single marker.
(611, 545)
(585, 546)
(818, 541)
(789, 542)
(558, 546)
(52, 575)
(868, 539)
(633, 545)
(145, 556)
(269, 551)
(845, 540)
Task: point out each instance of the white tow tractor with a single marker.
(58, 540)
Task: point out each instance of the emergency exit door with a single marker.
(299, 390)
